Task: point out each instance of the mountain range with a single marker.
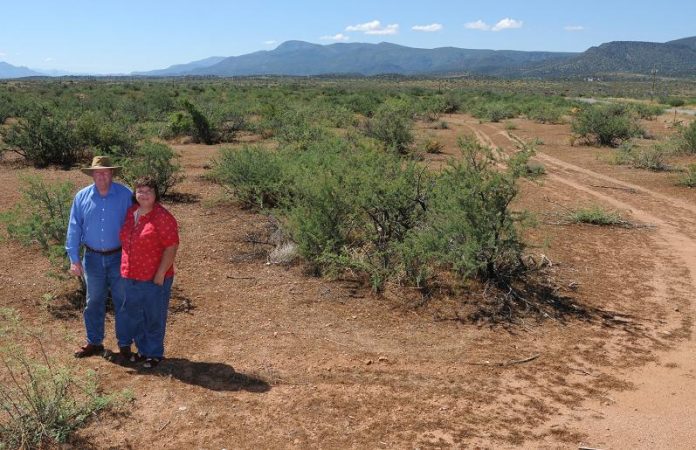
(297, 58)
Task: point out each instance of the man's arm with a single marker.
(74, 238)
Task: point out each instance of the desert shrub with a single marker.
(354, 214)
(43, 401)
(606, 124)
(688, 138)
(545, 113)
(469, 227)
(44, 137)
(179, 123)
(674, 102)
(297, 128)
(432, 145)
(595, 215)
(202, 129)
(652, 158)
(646, 111)
(496, 111)
(533, 170)
(254, 175)
(41, 217)
(391, 125)
(156, 160)
(688, 178)
(104, 135)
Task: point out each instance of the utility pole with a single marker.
(654, 79)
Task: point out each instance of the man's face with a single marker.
(102, 178)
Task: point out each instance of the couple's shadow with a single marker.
(213, 376)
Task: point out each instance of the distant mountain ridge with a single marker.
(673, 58)
(183, 69)
(10, 71)
(298, 58)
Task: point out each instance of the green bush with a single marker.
(652, 158)
(156, 160)
(254, 175)
(391, 125)
(595, 215)
(43, 402)
(496, 111)
(469, 227)
(688, 138)
(202, 130)
(104, 135)
(44, 137)
(41, 218)
(688, 179)
(606, 124)
(179, 123)
(646, 111)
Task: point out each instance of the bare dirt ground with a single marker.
(265, 356)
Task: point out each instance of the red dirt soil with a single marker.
(265, 356)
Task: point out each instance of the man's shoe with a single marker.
(89, 350)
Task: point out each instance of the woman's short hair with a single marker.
(146, 181)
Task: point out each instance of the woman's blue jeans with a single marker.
(103, 273)
(146, 307)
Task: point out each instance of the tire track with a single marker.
(661, 412)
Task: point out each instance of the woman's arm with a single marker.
(168, 256)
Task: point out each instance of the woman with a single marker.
(150, 239)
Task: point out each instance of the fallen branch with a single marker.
(631, 190)
(507, 363)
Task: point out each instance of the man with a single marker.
(96, 217)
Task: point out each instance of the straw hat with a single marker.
(101, 162)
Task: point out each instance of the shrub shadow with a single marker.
(182, 197)
(209, 375)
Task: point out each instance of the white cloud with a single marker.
(3, 54)
(49, 59)
(340, 37)
(374, 27)
(574, 28)
(270, 42)
(478, 25)
(428, 28)
(506, 24)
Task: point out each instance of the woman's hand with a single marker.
(159, 279)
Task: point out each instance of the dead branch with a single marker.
(507, 363)
(631, 190)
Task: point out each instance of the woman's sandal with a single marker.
(151, 363)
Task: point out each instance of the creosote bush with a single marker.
(595, 215)
(156, 160)
(44, 137)
(606, 124)
(391, 125)
(351, 206)
(41, 218)
(688, 178)
(44, 401)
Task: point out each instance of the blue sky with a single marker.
(102, 36)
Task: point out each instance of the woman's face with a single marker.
(145, 196)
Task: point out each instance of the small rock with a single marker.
(183, 408)
(382, 359)
(368, 362)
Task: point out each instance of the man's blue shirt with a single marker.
(95, 221)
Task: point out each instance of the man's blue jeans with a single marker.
(146, 306)
(103, 273)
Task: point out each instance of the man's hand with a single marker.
(76, 269)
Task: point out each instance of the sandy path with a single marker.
(661, 412)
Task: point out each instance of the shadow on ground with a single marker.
(210, 375)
